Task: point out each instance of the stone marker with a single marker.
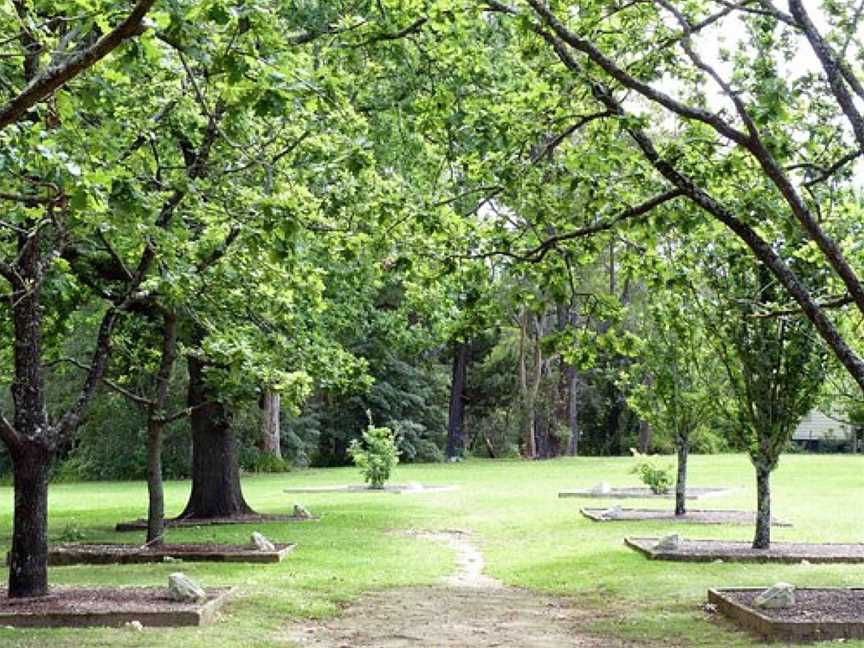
(261, 543)
(782, 595)
(302, 512)
(184, 589)
(612, 511)
(668, 543)
(601, 488)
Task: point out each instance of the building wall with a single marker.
(818, 426)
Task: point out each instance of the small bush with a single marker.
(376, 455)
(657, 478)
(71, 532)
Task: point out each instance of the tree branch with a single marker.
(55, 76)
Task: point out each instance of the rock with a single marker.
(805, 563)
(710, 608)
(302, 512)
(612, 511)
(135, 626)
(261, 543)
(601, 488)
(668, 543)
(170, 559)
(719, 561)
(184, 589)
(782, 595)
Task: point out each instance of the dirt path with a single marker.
(467, 609)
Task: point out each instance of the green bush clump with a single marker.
(657, 478)
(376, 455)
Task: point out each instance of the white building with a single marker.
(819, 428)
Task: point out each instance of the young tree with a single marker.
(775, 367)
(672, 393)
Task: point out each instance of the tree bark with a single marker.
(573, 411)
(762, 537)
(31, 450)
(216, 490)
(271, 439)
(529, 444)
(456, 417)
(155, 490)
(28, 561)
(646, 432)
(155, 426)
(682, 443)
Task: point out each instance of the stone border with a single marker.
(170, 615)
(696, 493)
(691, 517)
(173, 523)
(88, 554)
(393, 489)
(776, 630)
(775, 554)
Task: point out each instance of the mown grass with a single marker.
(529, 537)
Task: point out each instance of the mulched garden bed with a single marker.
(122, 554)
(646, 493)
(395, 489)
(819, 614)
(665, 515)
(108, 606)
(732, 551)
(141, 524)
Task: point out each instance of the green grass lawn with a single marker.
(529, 537)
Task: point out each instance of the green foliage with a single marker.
(252, 460)
(656, 477)
(71, 532)
(376, 456)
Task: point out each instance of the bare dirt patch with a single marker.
(121, 554)
(468, 609)
(104, 606)
(818, 614)
(141, 524)
(394, 489)
(695, 493)
(732, 551)
(704, 516)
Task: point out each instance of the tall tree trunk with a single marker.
(573, 411)
(155, 490)
(529, 445)
(762, 537)
(155, 425)
(216, 488)
(682, 443)
(28, 561)
(271, 435)
(456, 416)
(31, 456)
(646, 432)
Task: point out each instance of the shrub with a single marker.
(657, 478)
(376, 455)
(255, 461)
